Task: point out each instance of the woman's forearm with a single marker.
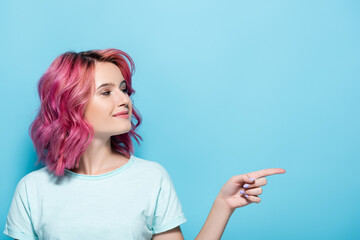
(216, 221)
(238, 191)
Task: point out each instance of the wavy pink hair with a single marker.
(59, 132)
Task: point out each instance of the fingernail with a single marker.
(246, 185)
(242, 191)
(251, 179)
(246, 195)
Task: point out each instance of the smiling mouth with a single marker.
(121, 113)
(126, 116)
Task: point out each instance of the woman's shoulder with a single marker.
(150, 165)
(39, 175)
(27, 184)
(34, 174)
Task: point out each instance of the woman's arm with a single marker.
(239, 191)
(213, 228)
(173, 234)
(216, 222)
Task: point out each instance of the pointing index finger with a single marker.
(266, 172)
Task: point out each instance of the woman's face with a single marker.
(110, 97)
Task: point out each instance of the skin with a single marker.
(99, 158)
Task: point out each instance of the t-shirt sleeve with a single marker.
(18, 222)
(168, 211)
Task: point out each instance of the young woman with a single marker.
(92, 186)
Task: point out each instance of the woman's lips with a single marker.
(123, 112)
(122, 116)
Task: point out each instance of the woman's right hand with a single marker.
(244, 189)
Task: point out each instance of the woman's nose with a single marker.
(121, 97)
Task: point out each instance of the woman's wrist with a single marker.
(216, 221)
(221, 202)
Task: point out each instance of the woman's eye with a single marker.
(107, 92)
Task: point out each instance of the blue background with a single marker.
(224, 88)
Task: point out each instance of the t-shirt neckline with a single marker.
(102, 176)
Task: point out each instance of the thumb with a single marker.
(249, 179)
(244, 178)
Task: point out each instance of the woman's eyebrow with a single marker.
(109, 84)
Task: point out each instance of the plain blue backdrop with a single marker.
(224, 88)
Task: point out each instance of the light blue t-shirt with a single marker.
(134, 201)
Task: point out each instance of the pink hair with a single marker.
(59, 132)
